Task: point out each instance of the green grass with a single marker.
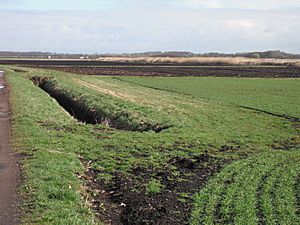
(51, 189)
(120, 114)
(205, 115)
(279, 96)
(256, 189)
(154, 187)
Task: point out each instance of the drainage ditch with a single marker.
(79, 109)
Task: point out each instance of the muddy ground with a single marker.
(138, 69)
(281, 72)
(9, 167)
(125, 200)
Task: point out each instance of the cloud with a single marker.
(94, 5)
(64, 5)
(9, 2)
(201, 30)
(238, 4)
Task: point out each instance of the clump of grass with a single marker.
(153, 187)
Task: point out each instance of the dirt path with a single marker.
(103, 90)
(9, 168)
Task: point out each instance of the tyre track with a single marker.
(9, 168)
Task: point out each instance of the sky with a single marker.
(122, 26)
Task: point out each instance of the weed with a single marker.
(154, 186)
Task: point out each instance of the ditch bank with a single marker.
(78, 108)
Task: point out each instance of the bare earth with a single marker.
(9, 168)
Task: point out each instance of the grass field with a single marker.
(279, 96)
(228, 152)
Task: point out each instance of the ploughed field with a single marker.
(200, 69)
(156, 150)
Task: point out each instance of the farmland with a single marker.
(173, 67)
(157, 150)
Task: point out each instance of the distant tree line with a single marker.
(45, 55)
(277, 54)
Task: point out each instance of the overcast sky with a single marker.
(116, 26)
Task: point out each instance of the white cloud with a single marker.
(94, 5)
(239, 4)
(221, 30)
(200, 3)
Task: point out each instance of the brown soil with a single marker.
(9, 168)
(160, 69)
(124, 200)
(280, 72)
(259, 204)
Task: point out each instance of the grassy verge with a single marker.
(52, 191)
